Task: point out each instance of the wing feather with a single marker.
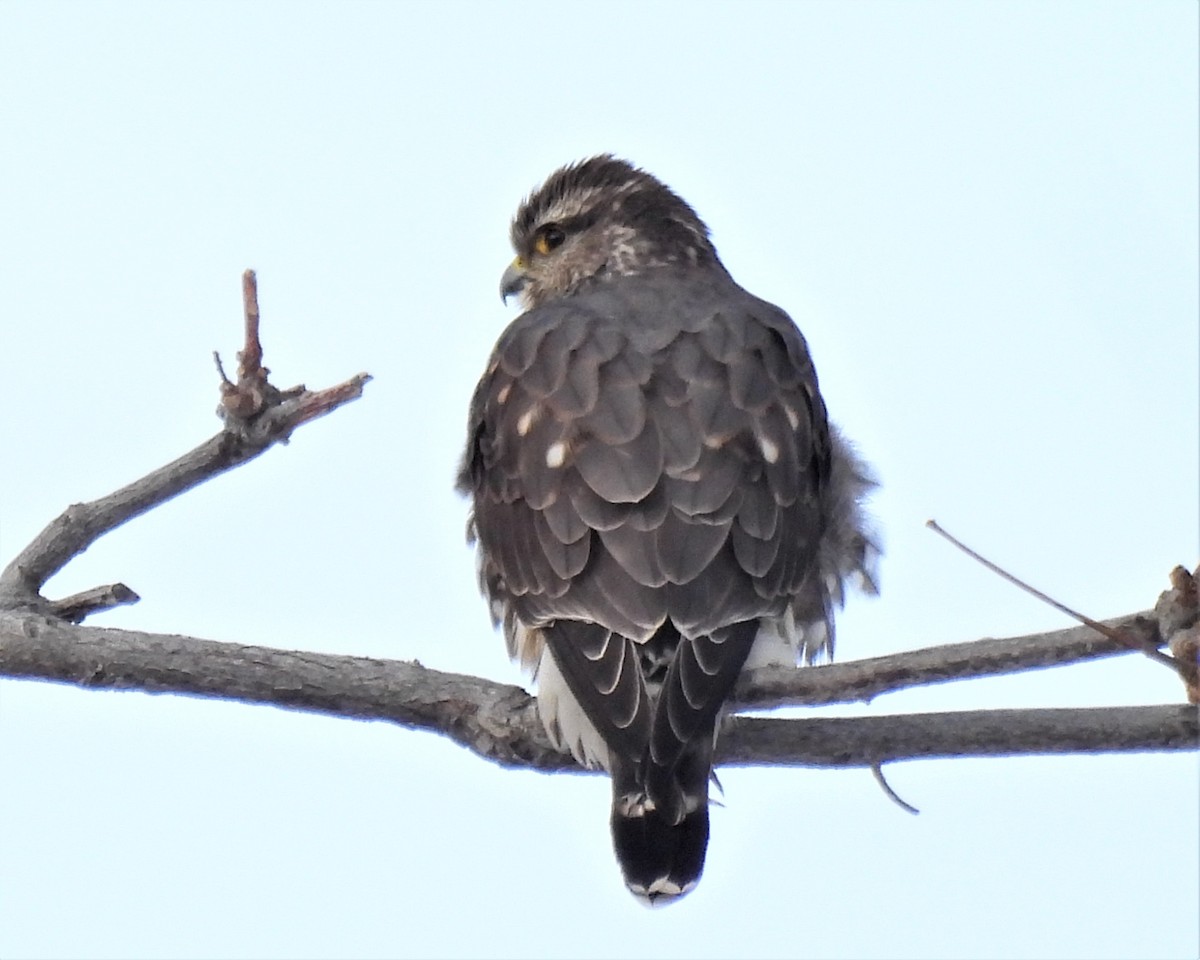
(673, 468)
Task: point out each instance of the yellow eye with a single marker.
(548, 237)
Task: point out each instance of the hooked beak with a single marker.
(513, 280)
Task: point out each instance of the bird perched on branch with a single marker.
(658, 496)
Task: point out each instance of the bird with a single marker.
(658, 499)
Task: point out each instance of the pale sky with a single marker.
(983, 217)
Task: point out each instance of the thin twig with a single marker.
(314, 404)
(1133, 643)
(225, 381)
(877, 771)
(250, 357)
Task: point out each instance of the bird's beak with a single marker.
(513, 280)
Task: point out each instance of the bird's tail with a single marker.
(660, 826)
(660, 802)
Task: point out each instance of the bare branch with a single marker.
(1132, 641)
(877, 771)
(867, 741)
(253, 392)
(257, 415)
(863, 680)
(77, 607)
(499, 721)
(1178, 612)
(81, 525)
(251, 357)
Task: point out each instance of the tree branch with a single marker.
(257, 416)
(499, 721)
(870, 741)
(1125, 638)
(863, 680)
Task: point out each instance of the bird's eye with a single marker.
(548, 238)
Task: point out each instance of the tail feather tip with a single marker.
(660, 860)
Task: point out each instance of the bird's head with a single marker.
(598, 218)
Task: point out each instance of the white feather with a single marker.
(564, 719)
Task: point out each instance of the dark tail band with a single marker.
(661, 860)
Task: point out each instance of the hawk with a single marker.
(658, 498)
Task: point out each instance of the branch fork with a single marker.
(256, 416)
